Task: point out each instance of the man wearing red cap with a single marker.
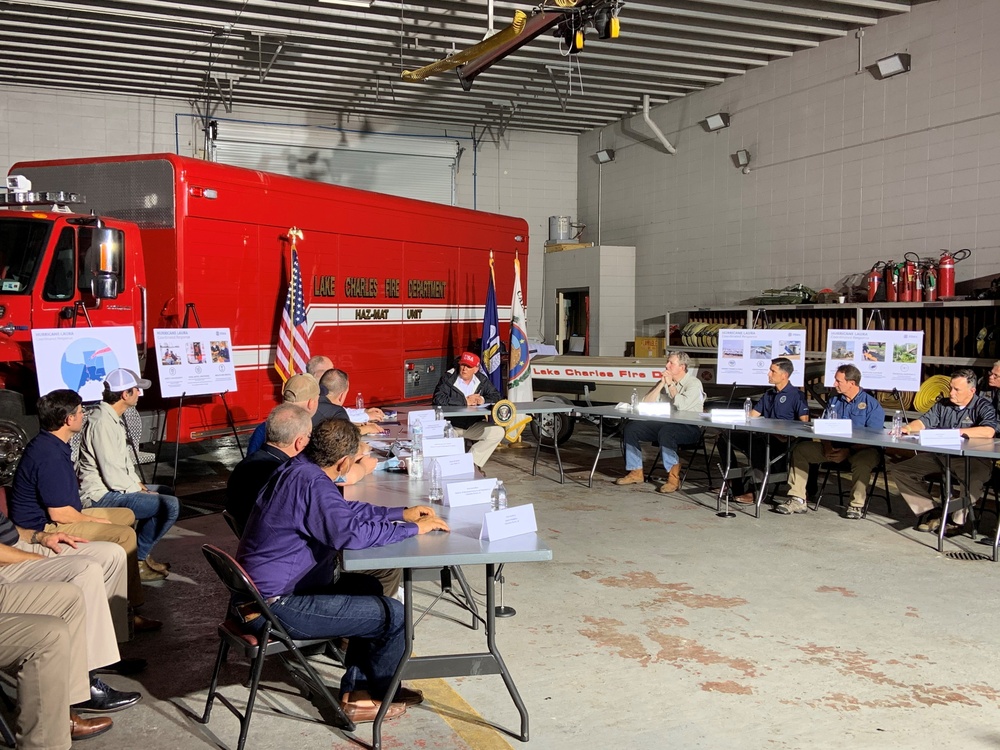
(467, 386)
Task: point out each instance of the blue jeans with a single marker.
(352, 608)
(669, 435)
(155, 511)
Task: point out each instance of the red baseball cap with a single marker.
(469, 359)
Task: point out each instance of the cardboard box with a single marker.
(650, 346)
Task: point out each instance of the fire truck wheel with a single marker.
(547, 425)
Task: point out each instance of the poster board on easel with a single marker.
(744, 355)
(194, 361)
(80, 358)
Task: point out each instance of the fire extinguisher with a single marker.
(930, 282)
(876, 282)
(916, 276)
(946, 271)
(891, 281)
(907, 274)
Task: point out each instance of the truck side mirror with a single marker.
(104, 263)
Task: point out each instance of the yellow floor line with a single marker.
(467, 723)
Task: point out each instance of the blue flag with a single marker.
(491, 335)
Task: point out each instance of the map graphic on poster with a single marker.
(194, 361)
(744, 356)
(886, 359)
(80, 358)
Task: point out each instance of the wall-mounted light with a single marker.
(741, 160)
(890, 66)
(718, 121)
(605, 155)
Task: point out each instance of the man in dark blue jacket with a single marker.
(465, 385)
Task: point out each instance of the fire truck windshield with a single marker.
(22, 242)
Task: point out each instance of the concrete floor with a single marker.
(656, 625)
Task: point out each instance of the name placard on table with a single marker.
(940, 437)
(503, 524)
(839, 427)
(728, 416)
(443, 446)
(472, 492)
(454, 466)
(653, 408)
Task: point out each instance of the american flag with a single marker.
(293, 339)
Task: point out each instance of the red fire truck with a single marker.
(394, 288)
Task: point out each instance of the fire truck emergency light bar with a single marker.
(19, 193)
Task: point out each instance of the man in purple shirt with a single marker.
(290, 550)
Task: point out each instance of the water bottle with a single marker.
(416, 464)
(634, 400)
(747, 408)
(438, 413)
(436, 492)
(830, 412)
(498, 498)
(359, 401)
(417, 437)
(897, 425)
(449, 430)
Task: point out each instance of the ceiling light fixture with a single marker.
(715, 122)
(605, 155)
(354, 3)
(890, 66)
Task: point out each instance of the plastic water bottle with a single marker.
(747, 409)
(634, 400)
(498, 498)
(436, 492)
(449, 430)
(438, 413)
(359, 401)
(897, 425)
(417, 451)
(830, 412)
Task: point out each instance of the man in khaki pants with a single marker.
(43, 641)
(46, 494)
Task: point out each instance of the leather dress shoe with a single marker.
(105, 699)
(84, 729)
(157, 566)
(747, 498)
(408, 696)
(142, 624)
(146, 573)
(124, 667)
(361, 712)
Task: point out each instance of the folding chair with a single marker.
(5, 730)
(698, 446)
(845, 467)
(233, 523)
(273, 639)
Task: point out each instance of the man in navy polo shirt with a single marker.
(46, 494)
(864, 410)
(782, 401)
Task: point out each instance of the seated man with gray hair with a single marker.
(288, 428)
(683, 390)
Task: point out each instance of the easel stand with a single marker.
(188, 311)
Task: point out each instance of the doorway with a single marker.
(573, 321)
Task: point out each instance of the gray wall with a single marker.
(531, 175)
(846, 170)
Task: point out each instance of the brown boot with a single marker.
(633, 477)
(673, 482)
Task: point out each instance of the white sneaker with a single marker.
(793, 505)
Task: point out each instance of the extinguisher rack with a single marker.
(190, 310)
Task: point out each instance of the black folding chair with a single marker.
(5, 731)
(233, 523)
(272, 639)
